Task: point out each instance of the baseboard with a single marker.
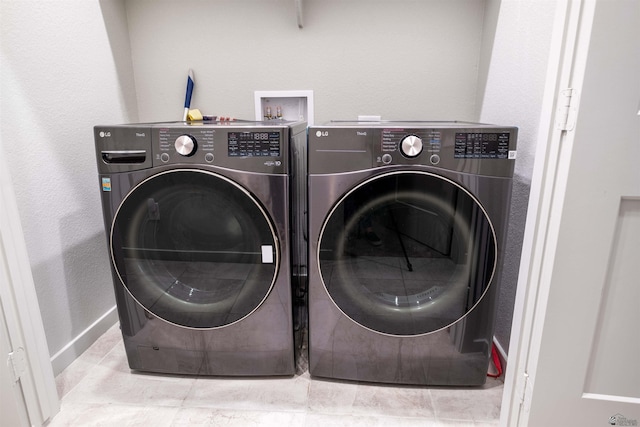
(502, 354)
(83, 341)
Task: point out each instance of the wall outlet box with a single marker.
(290, 105)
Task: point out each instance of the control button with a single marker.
(434, 159)
(208, 157)
(411, 146)
(386, 159)
(185, 145)
(164, 157)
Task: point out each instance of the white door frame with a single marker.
(531, 294)
(567, 60)
(29, 361)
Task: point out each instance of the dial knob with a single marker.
(185, 145)
(411, 146)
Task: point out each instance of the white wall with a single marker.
(403, 59)
(513, 95)
(60, 77)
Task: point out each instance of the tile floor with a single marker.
(98, 389)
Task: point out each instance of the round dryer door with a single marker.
(194, 249)
(407, 253)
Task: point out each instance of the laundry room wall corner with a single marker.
(513, 94)
(76, 74)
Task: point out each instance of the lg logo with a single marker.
(105, 134)
(321, 133)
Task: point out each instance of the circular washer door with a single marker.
(407, 253)
(194, 248)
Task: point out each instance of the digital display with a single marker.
(482, 145)
(253, 144)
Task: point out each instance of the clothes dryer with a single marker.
(407, 225)
(198, 218)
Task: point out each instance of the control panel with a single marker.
(252, 148)
(344, 146)
(431, 145)
(399, 143)
(261, 147)
(179, 143)
(484, 149)
(253, 144)
(482, 145)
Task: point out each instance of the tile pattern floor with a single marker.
(98, 389)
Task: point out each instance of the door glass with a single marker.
(407, 253)
(194, 248)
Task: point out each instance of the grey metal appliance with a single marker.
(199, 224)
(407, 225)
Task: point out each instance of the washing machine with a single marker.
(199, 226)
(407, 229)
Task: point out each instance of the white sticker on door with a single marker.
(267, 254)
